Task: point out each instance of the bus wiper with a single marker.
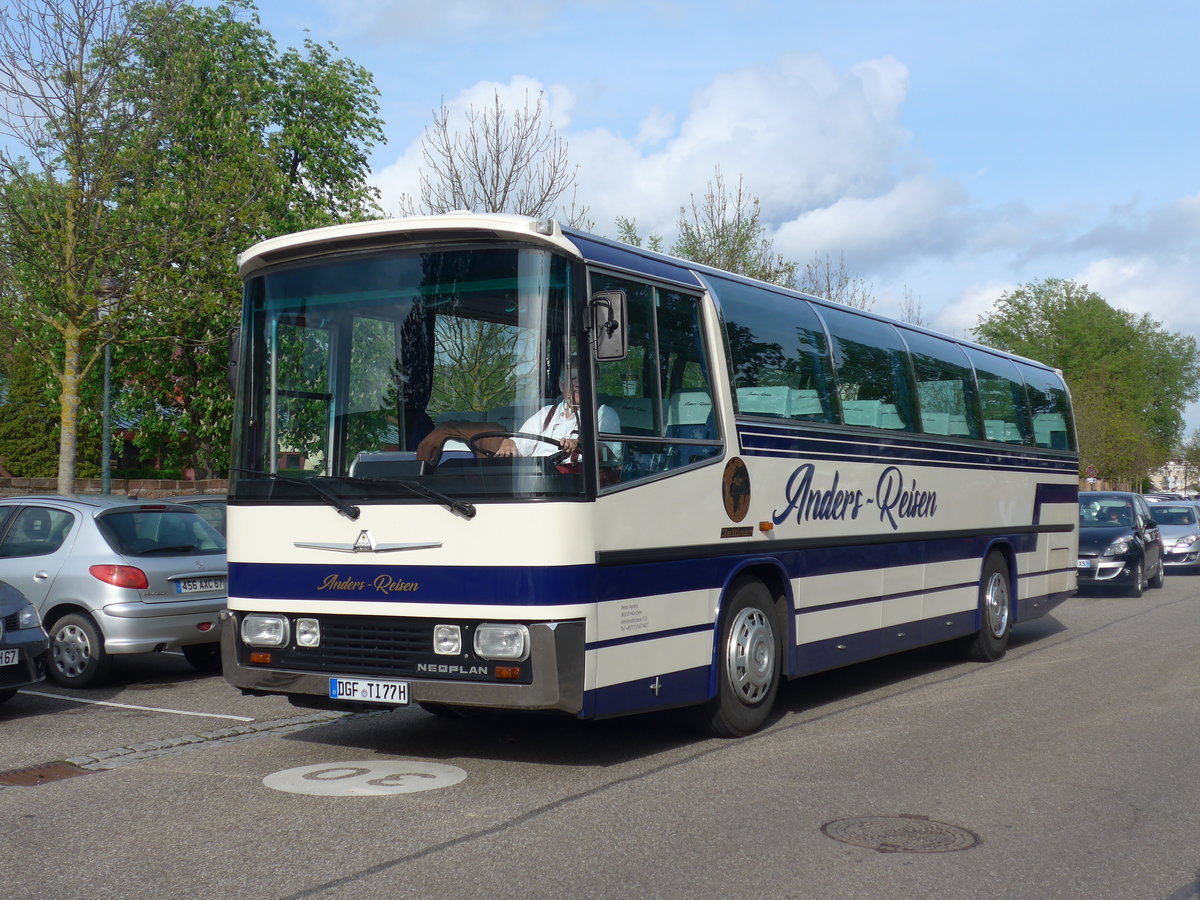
(467, 510)
(349, 510)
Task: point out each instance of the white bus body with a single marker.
(793, 486)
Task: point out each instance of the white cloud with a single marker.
(960, 316)
(408, 20)
(915, 216)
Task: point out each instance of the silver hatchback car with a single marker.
(110, 575)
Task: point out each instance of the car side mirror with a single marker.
(610, 338)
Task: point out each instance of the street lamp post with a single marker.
(107, 293)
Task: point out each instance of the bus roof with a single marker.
(376, 231)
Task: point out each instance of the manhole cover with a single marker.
(900, 834)
(40, 774)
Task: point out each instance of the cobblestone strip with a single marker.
(100, 760)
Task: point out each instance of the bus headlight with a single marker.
(265, 631)
(308, 633)
(447, 640)
(509, 642)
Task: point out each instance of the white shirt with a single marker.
(563, 424)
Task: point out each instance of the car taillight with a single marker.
(121, 576)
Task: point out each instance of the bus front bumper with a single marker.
(557, 649)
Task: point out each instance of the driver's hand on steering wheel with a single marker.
(570, 446)
(507, 448)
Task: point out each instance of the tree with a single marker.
(1190, 454)
(497, 161)
(627, 231)
(27, 417)
(834, 282)
(156, 140)
(726, 231)
(1128, 377)
(910, 309)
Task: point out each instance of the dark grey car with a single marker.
(1119, 542)
(110, 576)
(22, 643)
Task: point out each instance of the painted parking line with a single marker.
(175, 712)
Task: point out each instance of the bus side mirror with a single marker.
(609, 338)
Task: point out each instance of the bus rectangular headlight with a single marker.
(308, 633)
(265, 631)
(502, 641)
(447, 640)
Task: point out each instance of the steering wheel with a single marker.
(555, 458)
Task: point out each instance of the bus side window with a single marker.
(662, 391)
(778, 354)
(1049, 407)
(1001, 398)
(945, 386)
(872, 368)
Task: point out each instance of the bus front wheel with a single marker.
(748, 663)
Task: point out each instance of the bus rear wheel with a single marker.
(748, 663)
(995, 611)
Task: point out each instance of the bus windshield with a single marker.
(394, 375)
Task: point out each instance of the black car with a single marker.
(1119, 542)
(23, 642)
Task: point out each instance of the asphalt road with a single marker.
(1067, 770)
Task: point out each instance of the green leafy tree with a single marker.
(27, 417)
(1129, 379)
(725, 230)
(149, 142)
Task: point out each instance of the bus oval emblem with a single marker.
(735, 486)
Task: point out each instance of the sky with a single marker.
(950, 151)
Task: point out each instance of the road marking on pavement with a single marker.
(363, 778)
(177, 712)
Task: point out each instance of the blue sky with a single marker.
(951, 149)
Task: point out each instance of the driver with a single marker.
(560, 422)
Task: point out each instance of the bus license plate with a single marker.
(193, 585)
(10, 657)
(393, 692)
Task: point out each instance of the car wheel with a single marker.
(77, 657)
(1137, 579)
(1156, 582)
(203, 657)
(749, 660)
(990, 643)
(7, 694)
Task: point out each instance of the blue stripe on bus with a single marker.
(900, 448)
(517, 586)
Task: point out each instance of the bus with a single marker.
(759, 484)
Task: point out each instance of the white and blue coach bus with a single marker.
(765, 484)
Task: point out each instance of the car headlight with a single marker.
(1118, 547)
(508, 642)
(265, 631)
(27, 617)
(1185, 542)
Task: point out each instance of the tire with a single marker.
(77, 657)
(203, 657)
(749, 662)
(1138, 581)
(1157, 581)
(990, 643)
(7, 694)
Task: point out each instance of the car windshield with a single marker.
(1106, 511)
(154, 532)
(1173, 515)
